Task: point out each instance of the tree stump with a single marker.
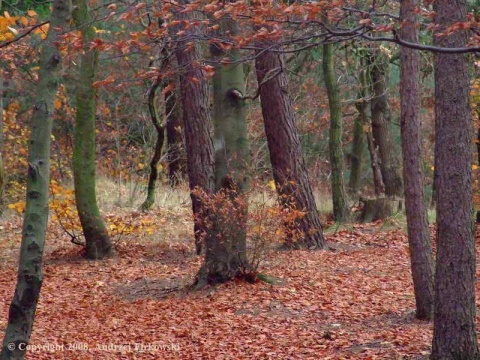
(380, 208)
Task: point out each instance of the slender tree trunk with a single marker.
(378, 184)
(30, 271)
(454, 334)
(421, 255)
(289, 170)
(226, 251)
(97, 241)
(382, 124)
(340, 207)
(359, 137)
(358, 148)
(2, 143)
(362, 106)
(157, 153)
(197, 126)
(174, 137)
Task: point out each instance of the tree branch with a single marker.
(6, 43)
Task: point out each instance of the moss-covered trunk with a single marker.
(97, 241)
(225, 256)
(340, 206)
(30, 272)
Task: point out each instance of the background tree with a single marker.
(175, 148)
(360, 122)
(340, 205)
(417, 224)
(382, 123)
(30, 269)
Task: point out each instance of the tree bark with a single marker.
(341, 212)
(97, 241)
(226, 249)
(358, 147)
(359, 136)
(382, 124)
(2, 143)
(289, 170)
(421, 255)
(197, 125)
(454, 334)
(30, 271)
(174, 127)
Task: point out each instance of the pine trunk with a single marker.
(382, 124)
(97, 241)
(289, 170)
(197, 126)
(30, 271)
(340, 206)
(454, 334)
(421, 255)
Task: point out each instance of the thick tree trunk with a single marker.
(382, 124)
(421, 255)
(197, 126)
(454, 334)
(226, 250)
(341, 213)
(157, 153)
(30, 271)
(97, 241)
(289, 170)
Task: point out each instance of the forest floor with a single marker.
(353, 302)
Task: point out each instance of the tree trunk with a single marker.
(380, 208)
(358, 147)
(30, 272)
(157, 153)
(341, 212)
(359, 136)
(421, 255)
(174, 137)
(2, 143)
(454, 334)
(197, 125)
(289, 170)
(226, 250)
(382, 124)
(97, 241)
